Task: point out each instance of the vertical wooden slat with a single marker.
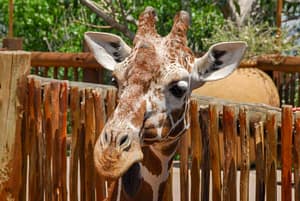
(297, 157)
(110, 102)
(35, 171)
(89, 145)
(205, 164)
(49, 137)
(32, 141)
(63, 103)
(55, 72)
(260, 162)
(82, 146)
(229, 181)
(55, 88)
(286, 152)
(168, 194)
(271, 157)
(45, 72)
(215, 152)
(196, 153)
(25, 148)
(65, 73)
(245, 154)
(100, 118)
(40, 140)
(75, 120)
(184, 183)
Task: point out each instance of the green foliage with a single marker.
(48, 25)
(261, 38)
(205, 16)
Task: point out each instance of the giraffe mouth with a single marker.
(112, 163)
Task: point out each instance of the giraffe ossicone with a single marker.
(155, 79)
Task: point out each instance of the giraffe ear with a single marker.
(108, 49)
(219, 62)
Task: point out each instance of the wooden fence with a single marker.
(52, 169)
(83, 67)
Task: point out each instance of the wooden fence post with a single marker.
(14, 67)
(286, 152)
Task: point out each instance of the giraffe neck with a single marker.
(146, 180)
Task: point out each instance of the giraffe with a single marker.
(154, 81)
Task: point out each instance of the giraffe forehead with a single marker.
(159, 60)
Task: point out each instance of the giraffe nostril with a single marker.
(124, 141)
(105, 139)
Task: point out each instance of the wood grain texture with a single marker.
(49, 138)
(215, 152)
(74, 157)
(184, 182)
(297, 157)
(100, 119)
(82, 146)
(286, 153)
(89, 145)
(260, 162)
(245, 153)
(229, 129)
(205, 164)
(14, 67)
(271, 157)
(196, 152)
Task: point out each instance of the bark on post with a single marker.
(14, 67)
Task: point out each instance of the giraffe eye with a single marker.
(114, 82)
(179, 89)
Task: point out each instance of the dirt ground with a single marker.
(176, 185)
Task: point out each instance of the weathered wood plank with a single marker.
(271, 157)
(40, 140)
(230, 133)
(245, 153)
(35, 183)
(49, 137)
(297, 157)
(25, 148)
(205, 164)
(55, 88)
(196, 153)
(260, 162)
(110, 101)
(14, 67)
(100, 118)
(89, 145)
(63, 110)
(82, 146)
(74, 157)
(184, 182)
(215, 152)
(286, 153)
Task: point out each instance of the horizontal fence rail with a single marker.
(57, 59)
(215, 153)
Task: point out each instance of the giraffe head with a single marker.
(154, 80)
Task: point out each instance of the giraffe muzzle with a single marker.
(113, 159)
